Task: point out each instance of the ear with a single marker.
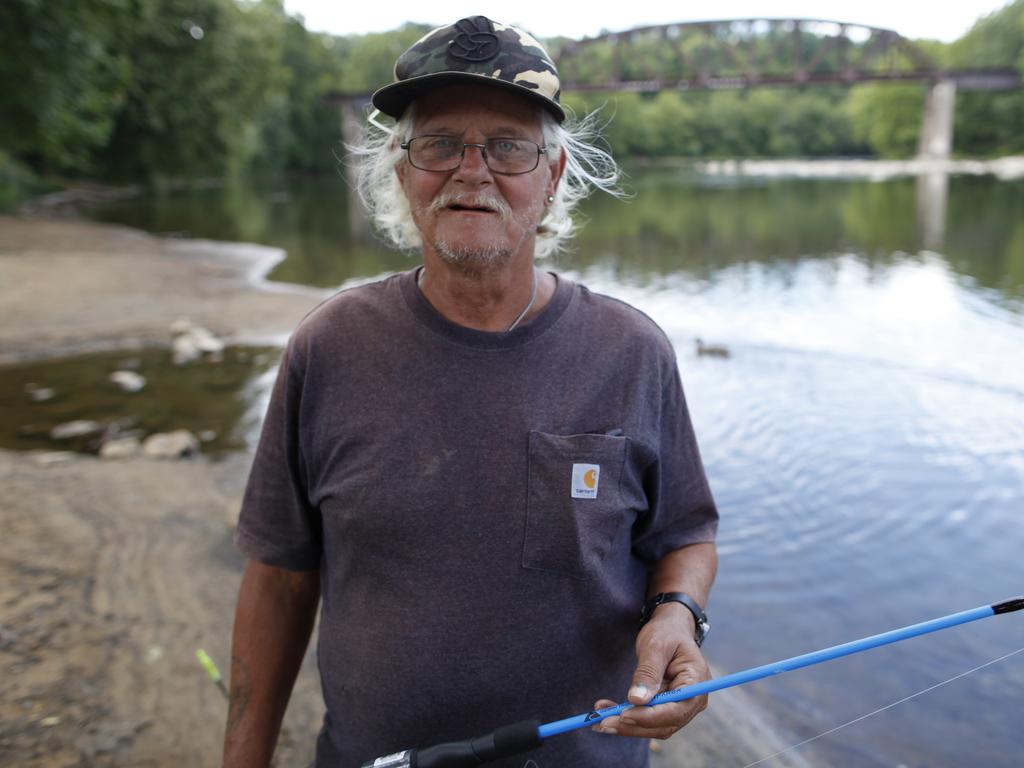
(557, 168)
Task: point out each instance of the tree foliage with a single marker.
(62, 79)
(991, 123)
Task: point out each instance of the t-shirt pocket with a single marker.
(574, 506)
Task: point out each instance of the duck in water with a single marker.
(711, 350)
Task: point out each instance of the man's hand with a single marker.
(668, 658)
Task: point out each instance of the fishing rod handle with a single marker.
(506, 741)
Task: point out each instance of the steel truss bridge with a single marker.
(748, 53)
(755, 53)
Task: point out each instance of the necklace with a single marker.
(529, 304)
(519, 317)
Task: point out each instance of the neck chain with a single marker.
(519, 317)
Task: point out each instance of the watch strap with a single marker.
(700, 618)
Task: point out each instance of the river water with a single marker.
(864, 439)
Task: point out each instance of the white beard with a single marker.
(467, 257)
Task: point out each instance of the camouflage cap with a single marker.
(473, 50)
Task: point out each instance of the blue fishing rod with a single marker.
(530, 734)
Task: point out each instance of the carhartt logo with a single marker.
(585, 478)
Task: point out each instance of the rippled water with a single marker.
(865, 439)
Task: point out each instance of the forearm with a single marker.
(273, 620)
(667, 656)
(690, 569)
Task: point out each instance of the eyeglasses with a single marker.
(445, 153)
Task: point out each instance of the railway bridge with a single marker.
(755, 53)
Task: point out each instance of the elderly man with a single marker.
(479, 470)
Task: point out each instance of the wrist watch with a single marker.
(700, 618)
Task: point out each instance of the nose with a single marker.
(473, 168)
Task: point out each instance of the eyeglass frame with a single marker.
(541, 150)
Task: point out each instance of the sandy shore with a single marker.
(68, 287)
(112, 573)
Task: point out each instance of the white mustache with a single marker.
(446, 199)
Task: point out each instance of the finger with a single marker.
(672, 714)
(609, 725)
(650, 672)
(658, 722)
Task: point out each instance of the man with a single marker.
(481, 468)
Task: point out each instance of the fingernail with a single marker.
(627, 721)
(639, 690)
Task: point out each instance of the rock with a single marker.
(39, 394)
(120, 448)
(129, 381)
(70, 429)
(189, 342)
(207, 342)
(184, 350)
(170, 445)
(49, 722)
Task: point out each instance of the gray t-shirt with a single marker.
(484, 509)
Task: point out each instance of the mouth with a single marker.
(469, 208)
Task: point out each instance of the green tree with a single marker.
(203, 73)
(371, 58)
(887, 117)
(987, 122)
(63, 80)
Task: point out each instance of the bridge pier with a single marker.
(936, 141)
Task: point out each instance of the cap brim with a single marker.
(394, 99)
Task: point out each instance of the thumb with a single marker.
(650, 671)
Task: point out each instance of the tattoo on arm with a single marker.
(241, 690)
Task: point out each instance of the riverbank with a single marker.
(112, 573)
(72, 287)
(1003, 168)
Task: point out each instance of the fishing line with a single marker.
(882, 709)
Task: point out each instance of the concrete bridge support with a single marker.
(936, 142)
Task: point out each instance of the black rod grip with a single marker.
(507, 740)
(516, 738)
(1013, 604)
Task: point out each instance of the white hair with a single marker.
(587, 167)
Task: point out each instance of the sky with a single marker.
(944, 21)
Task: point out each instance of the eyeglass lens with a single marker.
(445, 153)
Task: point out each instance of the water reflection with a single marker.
(676, 221)
(703, 225)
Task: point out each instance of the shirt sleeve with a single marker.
(681, 509)
(277, 524)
